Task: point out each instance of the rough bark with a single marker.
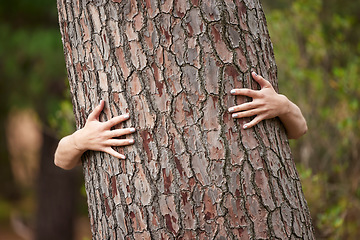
(193, 172)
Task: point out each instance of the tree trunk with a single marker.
(56, 196)
(193, 172)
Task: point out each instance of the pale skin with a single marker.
(98, 136)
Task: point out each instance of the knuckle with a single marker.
(109, 123)
(261, 103)
(261, 94)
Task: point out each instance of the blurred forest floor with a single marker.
(7, 231)
(317, 51)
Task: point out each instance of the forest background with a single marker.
(317, 51)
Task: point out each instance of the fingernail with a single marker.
(123, 157)
(126, 116)
(234, 115)
(100, 102)
(231, 109)
(233, 91)
(245, 126)
(255, 73)
(131, 141)
(132, 130)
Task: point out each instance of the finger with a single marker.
(255, 121)
(94, 115)
(119, 142)
(114, 153)
(248, 113)
(260, 80)
(121, 132)
(116, 120)
(243, 107)
(245, 92)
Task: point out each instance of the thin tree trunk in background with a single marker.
(56, 196)
(193, 172)
(9, 190)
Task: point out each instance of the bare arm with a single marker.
(96, 136)
(268, 104)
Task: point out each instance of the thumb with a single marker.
(260, 80)
(94, 115)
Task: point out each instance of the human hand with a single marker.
(265, 104)
(98, 136)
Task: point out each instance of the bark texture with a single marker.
(193, 173)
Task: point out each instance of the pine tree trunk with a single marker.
(193, 172)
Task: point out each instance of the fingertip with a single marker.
(254, 122)
(256, 76)
(248, 125)
(97, 110)
(260, 80)
(126, 116)
(119, 155)
(114, 153)
(101, 104)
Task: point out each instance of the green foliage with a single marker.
(332, 220)
(5, 210)
(32, 76)
(317, 49)
(32, 62)
(63, 119)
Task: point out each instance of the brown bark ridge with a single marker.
(193, 173)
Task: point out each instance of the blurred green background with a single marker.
(317, 48)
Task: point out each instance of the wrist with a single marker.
(285, 106)
(78, 141)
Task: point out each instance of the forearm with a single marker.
(68, 155)
(293, 120)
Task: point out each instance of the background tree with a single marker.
(316, 45)
(192, 171)
(33, 77)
